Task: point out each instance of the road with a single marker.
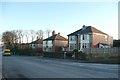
(38, 67)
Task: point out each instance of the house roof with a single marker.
(38, 41)
(104, 44)
(56, 37)
(86, 30)
(24, 43)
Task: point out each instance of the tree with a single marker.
(22, 35)
(39, 34)
(26, 34)
(19, 35)
(9, 39)
(32, 35)
(48, 32)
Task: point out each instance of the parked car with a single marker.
(6, 52)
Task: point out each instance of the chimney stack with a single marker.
(59, 33)
(53, 33)
(83, 26)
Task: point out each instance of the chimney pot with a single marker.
(83, 26)
(59, 33)
(53, 33)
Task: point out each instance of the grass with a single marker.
(105, 60)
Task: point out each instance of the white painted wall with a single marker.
(50, 43)
(44, 43)
(47, 43)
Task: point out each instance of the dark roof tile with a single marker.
(38, 41)
(56, 37)
(86, 30)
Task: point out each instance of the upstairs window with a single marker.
(46, 42)
(72, 38)
(83, 37)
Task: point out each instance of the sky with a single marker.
(63, 17)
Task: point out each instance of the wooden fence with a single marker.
(103, 51)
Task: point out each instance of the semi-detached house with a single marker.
(89, 37)
(54, 43)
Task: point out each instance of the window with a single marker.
(72, 38)
(82, 45)
(87, 37)
(85, 45)
(83, 37)
(46, 42)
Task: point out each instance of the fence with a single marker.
(102, 51)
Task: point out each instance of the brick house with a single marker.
(89, 37)
(54, 43)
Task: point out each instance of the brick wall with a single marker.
(99, 38)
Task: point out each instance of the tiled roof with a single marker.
(38, 41)
(104, 44)
(87, 30)
(56, 37)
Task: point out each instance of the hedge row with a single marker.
(39, 52)
(68, 55)
(53, 54)
(27, 51)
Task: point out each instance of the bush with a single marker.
(29, 51)
(80, 55)
(69, 55)
(53, 54)
(75, 50)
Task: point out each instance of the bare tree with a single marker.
(15, 33)
(19, 35)
(26, 33)
(48, 32)
(32, 35)
(22, 35)
(39, 34)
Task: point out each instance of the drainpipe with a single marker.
(81, 45)
(78, 41)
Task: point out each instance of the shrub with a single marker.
(29, 51)
(75, 50)
(53, 54)
(80, 55)
(69, 55)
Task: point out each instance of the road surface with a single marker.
(37, 67)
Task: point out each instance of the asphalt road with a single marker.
(37, 67)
